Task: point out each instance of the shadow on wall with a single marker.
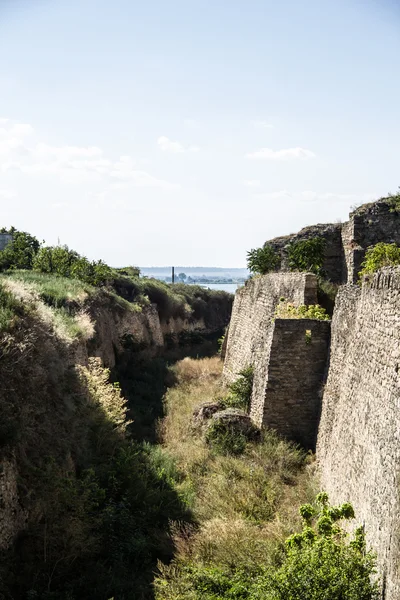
(96, 505)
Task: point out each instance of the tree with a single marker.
(20, 253)
(307, 255)
(182, 276)
(262, 260)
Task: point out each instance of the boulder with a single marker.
(205, 411)
(234, 419)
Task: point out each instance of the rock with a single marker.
(205, 411)
(235, 419)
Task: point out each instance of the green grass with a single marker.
(244, 506)
(11, 309)
(54, 290)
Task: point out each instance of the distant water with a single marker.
(225, 287)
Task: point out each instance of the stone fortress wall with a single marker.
(357, 420)
(358, 448)
(346, 243)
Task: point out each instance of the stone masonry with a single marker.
(346, 243)
(358, 447)
(289, 397)
(252, 316)
(289, 365)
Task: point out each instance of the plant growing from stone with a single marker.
(288, 310)
(379, 256)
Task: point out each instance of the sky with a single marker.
(190, 131)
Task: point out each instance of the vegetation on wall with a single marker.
(262, 260)
(379, 256)
(288, 310)
(307, 255)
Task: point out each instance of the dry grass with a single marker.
(245, 506)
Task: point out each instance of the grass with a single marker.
(53, 290)
(11, 309)
(244, 506)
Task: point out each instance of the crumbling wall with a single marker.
(358, 447)
(252, 314)
(334, 257)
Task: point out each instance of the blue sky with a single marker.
(187, 132)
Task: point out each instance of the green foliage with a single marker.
(11, 310)
(262, 260)
(318, 564)
(20, 253)
(241, 390)
(65, 262)
(287, 310)
(55, 291)
(378, 256)
(225, 439)
(307, 255)
(393, 200)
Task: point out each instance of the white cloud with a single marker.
(73, 164)
(286, 154)
(253, 183)
(262, 124)
(7, 194)
(167, 145)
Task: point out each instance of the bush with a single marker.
(20, 253)
(225, 439)
(381, 255)
(262, 260)
(11, 309)
(287, 310)
(307, 255)
(241, 390)
(319, 563)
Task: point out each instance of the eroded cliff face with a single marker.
(358, 448)
(46, 416)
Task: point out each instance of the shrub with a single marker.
(241, 390)
(393, 200)
(225, 439)
(20, 253)
(11, 309)
(307, 255)
(378, 256)
(287, 310)
(262, 260)
(319, 563)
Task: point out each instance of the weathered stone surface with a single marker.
(253, 310)
(205, 411)
(358, 447)
(334, 257)
(287, 387)
(237, 420)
